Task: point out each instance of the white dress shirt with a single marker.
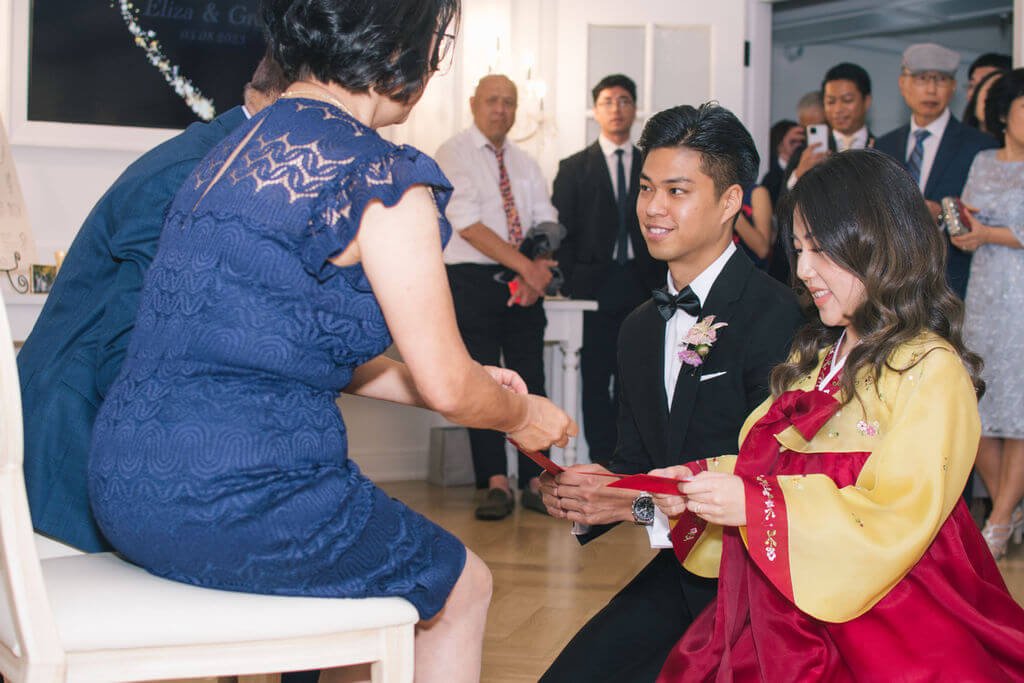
(858, 140)
(680, 323)
(608, 148)
(472, 169)
(675, 330)
(931, 144)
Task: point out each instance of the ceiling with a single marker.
(809, 22)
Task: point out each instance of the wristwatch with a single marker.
(643, 509)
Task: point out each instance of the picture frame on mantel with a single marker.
(122, 74)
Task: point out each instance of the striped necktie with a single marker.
(508, 202)
(917, 154)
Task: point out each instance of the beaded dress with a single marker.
(993, 324)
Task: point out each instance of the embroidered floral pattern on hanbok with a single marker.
(770, 542)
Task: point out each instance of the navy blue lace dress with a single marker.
(219, 457)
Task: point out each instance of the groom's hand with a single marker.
(579, 495)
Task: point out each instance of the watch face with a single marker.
(643, 509)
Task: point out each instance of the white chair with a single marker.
(94, 617)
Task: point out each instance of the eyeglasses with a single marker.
(929, 77)
(620, 102)
(444, 53)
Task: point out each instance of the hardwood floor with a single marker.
(545, 584)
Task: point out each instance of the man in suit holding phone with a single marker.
(846, 93)
(603, 255)
(934, 147)
(696, 163)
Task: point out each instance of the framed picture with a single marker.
(42, 278)
(123, 74)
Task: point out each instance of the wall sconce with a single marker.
(20, 284)
(531, 107)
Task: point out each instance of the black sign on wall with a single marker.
(147, 63)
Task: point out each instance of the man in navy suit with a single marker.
(935, 148)
(603, 255)
(76, 348)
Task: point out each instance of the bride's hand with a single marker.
(672, 506)
(717, 497)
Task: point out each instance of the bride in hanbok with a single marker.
(842, 544)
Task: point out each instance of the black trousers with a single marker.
(629, 640)
(493, 331)
(621, 292)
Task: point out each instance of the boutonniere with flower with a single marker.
(697, 343)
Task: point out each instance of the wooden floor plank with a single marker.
(546, 586)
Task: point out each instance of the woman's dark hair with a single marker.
(391, 47)
(1000, 98)
(778, 132)
(991, 59)
(865, 212)
(970, 117)
(727, 152)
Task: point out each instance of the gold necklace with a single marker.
(321, 94)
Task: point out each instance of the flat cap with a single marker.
(930, 57)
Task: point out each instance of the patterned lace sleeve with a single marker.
(340, 207)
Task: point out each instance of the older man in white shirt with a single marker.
(499, 194)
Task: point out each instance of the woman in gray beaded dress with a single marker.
(994, 195)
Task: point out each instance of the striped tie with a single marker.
(917, 154)
(508, 202)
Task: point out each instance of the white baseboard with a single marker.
(402, 464)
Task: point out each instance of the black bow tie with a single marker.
(667, 304)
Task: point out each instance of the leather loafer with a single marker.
(531, 500)
(497, 505)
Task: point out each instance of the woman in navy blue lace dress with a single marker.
(295, 253)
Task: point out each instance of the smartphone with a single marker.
(818, 134)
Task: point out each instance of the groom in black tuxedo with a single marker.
(696, 162)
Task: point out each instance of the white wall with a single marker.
(793, 75)
(515, 37)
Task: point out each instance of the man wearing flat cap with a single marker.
(936, 149)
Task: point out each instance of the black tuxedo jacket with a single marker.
(953, 160)
(709, 405)
(585, 199)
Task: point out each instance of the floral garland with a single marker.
(202, 106)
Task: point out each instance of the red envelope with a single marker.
(549, 465)
(649, 483)
(546, 463)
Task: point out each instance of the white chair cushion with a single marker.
(48, 547)
(101, 601)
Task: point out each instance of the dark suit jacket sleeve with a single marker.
(630, 457)
(776, 339)
(140, 212)
(565, 197)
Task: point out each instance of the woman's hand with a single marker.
(545, 425)
(508, 379)
(672, 506)
(978, 235)
(717, 497)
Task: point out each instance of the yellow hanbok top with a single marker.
(848, 546)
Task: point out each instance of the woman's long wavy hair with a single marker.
(866, 213)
